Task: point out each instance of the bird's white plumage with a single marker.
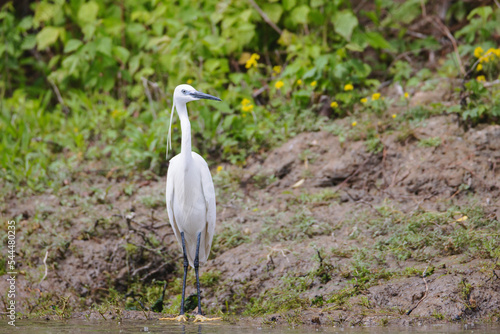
(191, 204)
(190, 193)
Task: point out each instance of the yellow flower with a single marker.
(219, 169)
(115, 113)
(334, 104)
(247, 108)
(279, 84)
(314, 83)
(406, 95)
(348, 87)
(394, 115)
(491, 53)
(364, 100)
(354, 123)
(481, 78)
(464, 218)
(299, 82)
(245, 101)
(375, 96)
(277, 69)
(479, 67)
(252, 62)
(478, 52)
(189, 81)
(76, 130)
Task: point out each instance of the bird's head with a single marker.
(186, 93)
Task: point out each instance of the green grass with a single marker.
(423, 235)
(430, 142)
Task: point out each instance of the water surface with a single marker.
(141, 326)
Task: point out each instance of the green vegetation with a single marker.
(430, 142)
(423, 235)
(91, 80)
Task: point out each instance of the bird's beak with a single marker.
(200, 95)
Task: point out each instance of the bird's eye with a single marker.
(183, 91)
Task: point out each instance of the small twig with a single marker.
(141, 268)
(265, 17)
(425, 294)
(422, 5)
(59, 97)
(148, 94)
(154, 271)
(46, 268)
(260, 91)
(491, 83)
(276, 249)
(440, 25)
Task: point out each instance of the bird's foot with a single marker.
(200, 318)
(179, 318)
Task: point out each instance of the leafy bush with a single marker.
(91, 79)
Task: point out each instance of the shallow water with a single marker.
(129, 326)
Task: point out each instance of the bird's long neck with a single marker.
(186, 131)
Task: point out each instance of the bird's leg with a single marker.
(181, 316)
(186, 264)
(196, 269)
(199, 317)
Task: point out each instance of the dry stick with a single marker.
(448, 34)
(265, 17)
(425, 295)
(59, 97)
(497, 3)
(46, 268)
(492, 83)
(444, 29)
(422, 5)
(148, 94)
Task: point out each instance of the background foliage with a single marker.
(91, 80)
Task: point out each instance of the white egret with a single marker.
(190, 197)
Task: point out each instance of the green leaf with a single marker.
(289, 4)
(25, 23)
(344, 23)
(53, 61)
(317, 3)
(72, 45)
(273, 11)
(483, 12)
(354, 47)
(211, 65)
(134, 63)
(29, 42)
(104, 45)
(376, 41)
(71, 63)
(88, 12)
(46, 37)
(44, 11)
(88, 31)
(299, 14)
(121, 53)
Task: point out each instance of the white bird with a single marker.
(190, 196)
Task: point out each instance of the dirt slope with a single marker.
(314, 195)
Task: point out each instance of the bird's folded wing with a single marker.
(209, 194)
(169, 194)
